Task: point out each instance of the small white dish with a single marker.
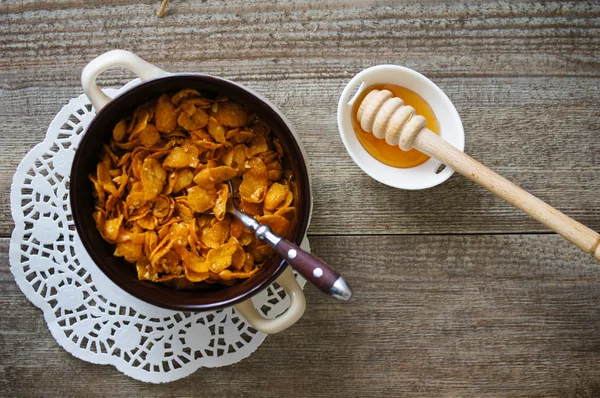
(451, 128)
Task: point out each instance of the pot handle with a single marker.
(144, 70)
(270, 326)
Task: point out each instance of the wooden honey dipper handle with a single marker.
(412, 133)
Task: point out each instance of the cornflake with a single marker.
(161, 191)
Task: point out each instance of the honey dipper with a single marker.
(388, 118)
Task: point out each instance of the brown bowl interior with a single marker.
(82, 203)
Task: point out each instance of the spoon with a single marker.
(388, 118)
(310, 267)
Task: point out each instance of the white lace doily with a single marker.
(90, 316)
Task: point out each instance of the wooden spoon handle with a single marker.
(581, 236)
(314, 270)
(310, 267)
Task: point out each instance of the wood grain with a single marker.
(576, 233)
(439, 310)
(510, 68)
(431, 315)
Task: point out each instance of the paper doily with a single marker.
(90, 316)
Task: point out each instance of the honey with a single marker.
(378, 148)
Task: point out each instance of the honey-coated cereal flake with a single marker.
(161, 189)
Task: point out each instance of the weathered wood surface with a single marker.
(524, 78)
(512, 315)
(484, 306)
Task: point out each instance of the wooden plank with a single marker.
(559, 162)
(497, 315)
(514, 70)
(307, 38)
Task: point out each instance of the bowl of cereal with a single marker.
(149, 184)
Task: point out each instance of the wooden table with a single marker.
(456, 293)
